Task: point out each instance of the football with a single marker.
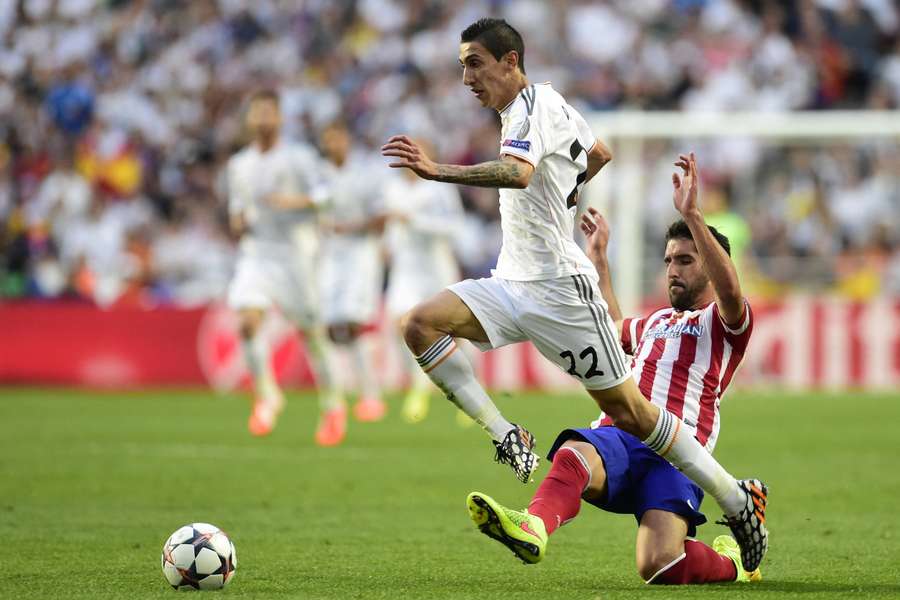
(198, 556)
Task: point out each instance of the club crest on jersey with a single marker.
(675, 330)
(518, 144)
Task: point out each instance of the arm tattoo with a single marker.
(495, 174)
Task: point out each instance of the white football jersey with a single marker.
(253, 176)
(355, 195)
(538, 222)
(352, 267)
(422, 242)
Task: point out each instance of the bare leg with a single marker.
(441, 315)
(665, 555)
(660, 542)
(418, 395)
(321, 353)
(350, 338)
(428, 330)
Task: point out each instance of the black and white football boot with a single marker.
(749, 526)
(516, 451)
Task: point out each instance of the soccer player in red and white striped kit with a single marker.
(684, 357)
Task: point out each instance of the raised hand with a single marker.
(596, 229)
(410, 156)
(686, 188)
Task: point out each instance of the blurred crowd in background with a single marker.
(117, 117)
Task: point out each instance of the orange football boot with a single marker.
(264, 415)
(332, 427)
(370, 409)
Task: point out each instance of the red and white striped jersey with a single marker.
(683, 361)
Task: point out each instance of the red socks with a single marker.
(558, 498)
(700, 564)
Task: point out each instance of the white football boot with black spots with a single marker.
(516, 451)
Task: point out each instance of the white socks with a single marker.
(419, 381)
(671, 440)
(256, 355)
(365, 371)
(453, 374)
(321, 354)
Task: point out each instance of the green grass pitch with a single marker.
(92, 483)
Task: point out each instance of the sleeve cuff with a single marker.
(742, 324)
(519, 154)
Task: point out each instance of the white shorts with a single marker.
(352, 281)
(261, 282)
(565, 318)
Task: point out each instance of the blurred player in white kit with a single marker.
(425, 218)
(352, 265)
(274, 195)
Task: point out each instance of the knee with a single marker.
(653, 561)
(587, 453)
(415, 325)
(596, 486)
(248, 324)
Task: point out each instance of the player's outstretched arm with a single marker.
(716, 263)
(290, 201)
(598, 156)
(237, 202)
(373, 225)
(506, 172)
(596, 229)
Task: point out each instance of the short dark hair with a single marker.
(336, 123)
(498, 36)
(679, 230)
(267, 94)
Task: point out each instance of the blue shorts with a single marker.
(638, 479)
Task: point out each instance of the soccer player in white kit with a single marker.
(273, 198)
(425, 216)
(544, 288)
(352, 265)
